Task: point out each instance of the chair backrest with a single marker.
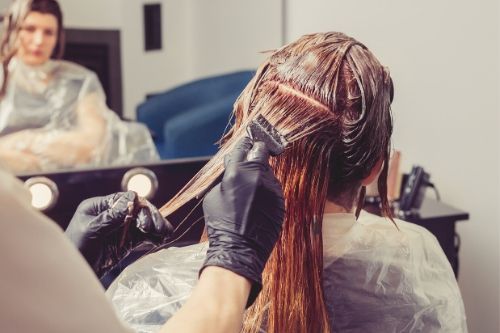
(196, 133)
(160, 108)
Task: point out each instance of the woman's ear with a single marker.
(375, 171)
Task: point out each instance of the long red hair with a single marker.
(331, 98)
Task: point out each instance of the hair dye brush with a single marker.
(261, 130)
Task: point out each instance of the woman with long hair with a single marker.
(330, 98)
(53, 113)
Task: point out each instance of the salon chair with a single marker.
(188, 120)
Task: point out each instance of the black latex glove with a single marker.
(244, 214)
(98, 217)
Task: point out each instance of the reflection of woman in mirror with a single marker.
(52, 112)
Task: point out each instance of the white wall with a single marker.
(4, 4)
(230, 35)
(153, 71)
(444, 59)
(96, 14)
(142, 72)
(88, 13)
(200, 38)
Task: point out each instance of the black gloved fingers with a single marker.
(118, 204)
(101, 215)
(244, 213)
(116, 201)
(259, 153)
(150, 220)
(92, 206)
(270, 183)
(116, 208)
(239, 152)
(94, 218)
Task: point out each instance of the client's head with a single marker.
(330, 97)
(33, 31)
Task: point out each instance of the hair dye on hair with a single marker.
(330, 97)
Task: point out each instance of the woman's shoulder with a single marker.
(375, 222)
(69, 69)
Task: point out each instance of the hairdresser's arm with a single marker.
(243, 215)
(216, 305)
(45, 285)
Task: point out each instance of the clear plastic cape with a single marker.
(151, 290)
(375, 278)
(54, 116)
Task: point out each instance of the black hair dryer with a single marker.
(412, 194)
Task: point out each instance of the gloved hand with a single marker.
(96, 218)
(244, 214)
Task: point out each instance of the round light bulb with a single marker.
(142, 181)
(44, 192)
(141, 184)
(41, 196)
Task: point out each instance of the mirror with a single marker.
(150, 60)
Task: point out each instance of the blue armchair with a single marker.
(188, 120)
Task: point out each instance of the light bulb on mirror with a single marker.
(142, 181)
(44, 192)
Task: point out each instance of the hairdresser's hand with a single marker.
(98, 217)
(244, 214)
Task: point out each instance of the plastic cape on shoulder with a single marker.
(379, 279)
(375, 279)
(57, 113)
(148, 292)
